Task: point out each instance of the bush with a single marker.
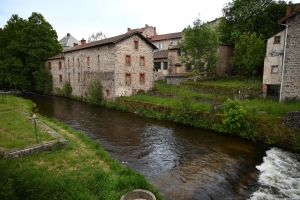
(235, 120)
(183, 111)
(94, 91)
(67, 89)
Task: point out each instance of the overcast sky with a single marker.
(113, 17)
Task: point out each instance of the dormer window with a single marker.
(136, 45)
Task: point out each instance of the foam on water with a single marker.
(279, 176)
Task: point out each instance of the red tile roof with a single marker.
(111, 40)
(167, 36)
(290, 15)
(57, 56)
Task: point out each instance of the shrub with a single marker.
(94, 92)
(67, 89)
(183, 111)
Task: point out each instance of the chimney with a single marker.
(146, 25)
(83, 42)
(155, 31)
(288, 9)
(68, 34)
(128, 29)
(75, 44)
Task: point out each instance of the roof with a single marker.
(167, 36)
(290, 15)
(57, 56)
(112, 40)
(160, 54)
(68, 41)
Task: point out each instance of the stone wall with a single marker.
(177, 79)
(291, 79)
(224, 68)
(292, 119)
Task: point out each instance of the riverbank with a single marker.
(82, 170)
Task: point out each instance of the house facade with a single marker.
(282, 63)
(123, 64)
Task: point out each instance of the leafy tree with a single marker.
(43, 82)
(249, 54)
(67, 89)
(25, 46)
(260, 16)
(96, 36)
(199, 46)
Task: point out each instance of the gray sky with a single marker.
(113, 17)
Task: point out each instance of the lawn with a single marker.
(82, 170)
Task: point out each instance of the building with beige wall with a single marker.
(123, 64)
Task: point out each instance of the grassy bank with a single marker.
(83, 170)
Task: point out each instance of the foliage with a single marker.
(235, 121)
(96, 36)
(43, 82)
(67, 89)
(249, 54)
(94, 92)
(199, 46)
(183, 111)
(242, 16)
(25, 44)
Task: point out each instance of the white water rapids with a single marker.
(279, 176)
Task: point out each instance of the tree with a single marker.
(96, 36)
(94, 90)
(249, 54)
(199, 46)
(26, 44)
(241, 16)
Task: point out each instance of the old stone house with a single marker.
(281, 76)
(123, 64)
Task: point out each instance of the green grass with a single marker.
(271, 107)
(16, 128)
(166, 101)
(82, 170)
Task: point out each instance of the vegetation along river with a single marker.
(182, 162)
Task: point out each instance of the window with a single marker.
(165, 65)
(68, 63)
(49, 65)
(127, 60)
(188, 68)
(88, 61)
(274, 69)
(59, 65)
(78, 77)
(128, 79)
(88, 75)
(69, 77)
(179, 53)
(277, 40)
(107, 93)
(142, 79)
(98, 58)
(73, 59)
(60, 78)
(156, 66)
(136, 45)
(78, 62)
(142, 61)
(159, 46)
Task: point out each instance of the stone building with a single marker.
(282, 63)
(123, 64)
(68, 41)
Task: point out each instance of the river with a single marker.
(180, 161)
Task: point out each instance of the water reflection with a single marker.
(182, 162)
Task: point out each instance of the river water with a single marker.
(180, 161)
